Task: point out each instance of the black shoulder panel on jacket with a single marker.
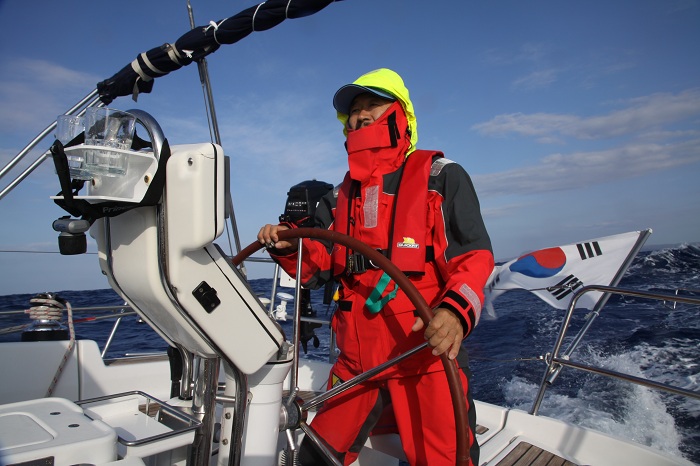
(464, 225)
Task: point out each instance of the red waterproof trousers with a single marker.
(395, 405)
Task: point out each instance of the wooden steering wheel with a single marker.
(458, 399)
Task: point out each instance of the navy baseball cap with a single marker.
(346, 94)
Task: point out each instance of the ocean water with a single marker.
(639, 337)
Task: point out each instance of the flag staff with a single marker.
(643, 236)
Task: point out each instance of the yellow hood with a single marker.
(388, 81)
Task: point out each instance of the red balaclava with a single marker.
(379, 148)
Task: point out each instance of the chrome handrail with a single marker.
(113, 332)
(90, 100)
(555, 363)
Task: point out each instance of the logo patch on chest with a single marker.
(408, 243)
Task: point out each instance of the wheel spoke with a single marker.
(358, 379)
(451, 371)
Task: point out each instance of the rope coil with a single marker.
(45, 309)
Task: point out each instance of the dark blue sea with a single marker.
(647, 339)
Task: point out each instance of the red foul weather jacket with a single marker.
(442, 216)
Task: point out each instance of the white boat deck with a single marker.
(506, 436)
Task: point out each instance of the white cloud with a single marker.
(535, 56)
(680, 6)
(559, 172)
(276, 137)
(34, 91)
(531, 52)
(503, 211)
(537, 79)
(52, 75)
(639, 114)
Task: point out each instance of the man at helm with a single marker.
(421, 211)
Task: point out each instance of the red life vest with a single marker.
(407, 227)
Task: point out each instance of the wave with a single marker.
(677, 266)
(637, 413)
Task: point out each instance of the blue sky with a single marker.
(575, 119)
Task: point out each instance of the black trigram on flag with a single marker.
(565, 287)
(589, 250)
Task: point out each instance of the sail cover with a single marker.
(139, 75)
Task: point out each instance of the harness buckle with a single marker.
(360, 264)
